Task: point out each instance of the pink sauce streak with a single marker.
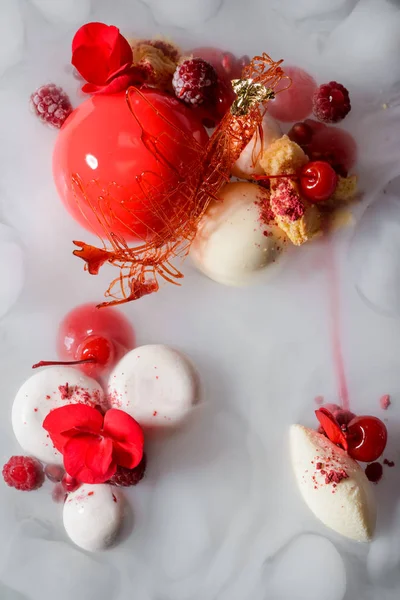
(334, 300)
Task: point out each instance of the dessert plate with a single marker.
(218, 514)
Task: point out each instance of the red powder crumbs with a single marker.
(66, 391)
(389, 463)
(318, 466)
(48, 397)
(286, 202)
(155, 413)
(336, 476)
(319, 400)
(35, 409)
(374, 472)
(114, 498)
(90, 493)
(385, 401)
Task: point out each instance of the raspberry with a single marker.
(195, 81)
(51, 104)
(331, 102)
(124, 477)
(23, 473)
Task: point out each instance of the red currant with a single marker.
(318, 181)
(70, 484)
(366, 438)
(301, 133)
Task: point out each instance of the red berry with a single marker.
(227, 65)
(318, 181)
(374, 472)
(195, 82)
(124, 477)
(366, 438)
(331, 102)
(58, 494)
(294, 103)
(301, 133)
(70, 484)
(51, 104)
(23, 473)
(335, 146)
(54, 473)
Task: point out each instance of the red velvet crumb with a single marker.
(286, 202)
(336, 476)
(385, 401)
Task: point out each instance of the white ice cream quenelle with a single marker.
(93, 516)
(248, 163)
(232, 244)
(46, 390)
(346, 505)
(155, 384)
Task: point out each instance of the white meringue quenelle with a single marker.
(248, 163)
(155, 384)
(93, 515)
(232, 243)
(46, 390)
(333, 485)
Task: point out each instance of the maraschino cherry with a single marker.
(318, 181)
(93, 339)
(364, 438)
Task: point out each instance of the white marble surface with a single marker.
(218, 516)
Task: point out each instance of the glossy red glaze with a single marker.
(102, 149)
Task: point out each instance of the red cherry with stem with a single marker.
(318, 181)
(93, 338)
(366, 438)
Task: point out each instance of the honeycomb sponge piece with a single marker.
(283, 157)
(304, 229)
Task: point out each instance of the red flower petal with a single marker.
(121, 54)
(99, 51)
(331, 427)
(127, 454)
(127, 436)
(88, 458)
(63, 422)
(119, 84)
(92, 34)
(92, 64)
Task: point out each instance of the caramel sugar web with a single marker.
(141, 266)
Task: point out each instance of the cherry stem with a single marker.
(51, 363)
(262, 177)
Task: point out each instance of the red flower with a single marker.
(94, 446)
(104, 58)
(331, 427)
